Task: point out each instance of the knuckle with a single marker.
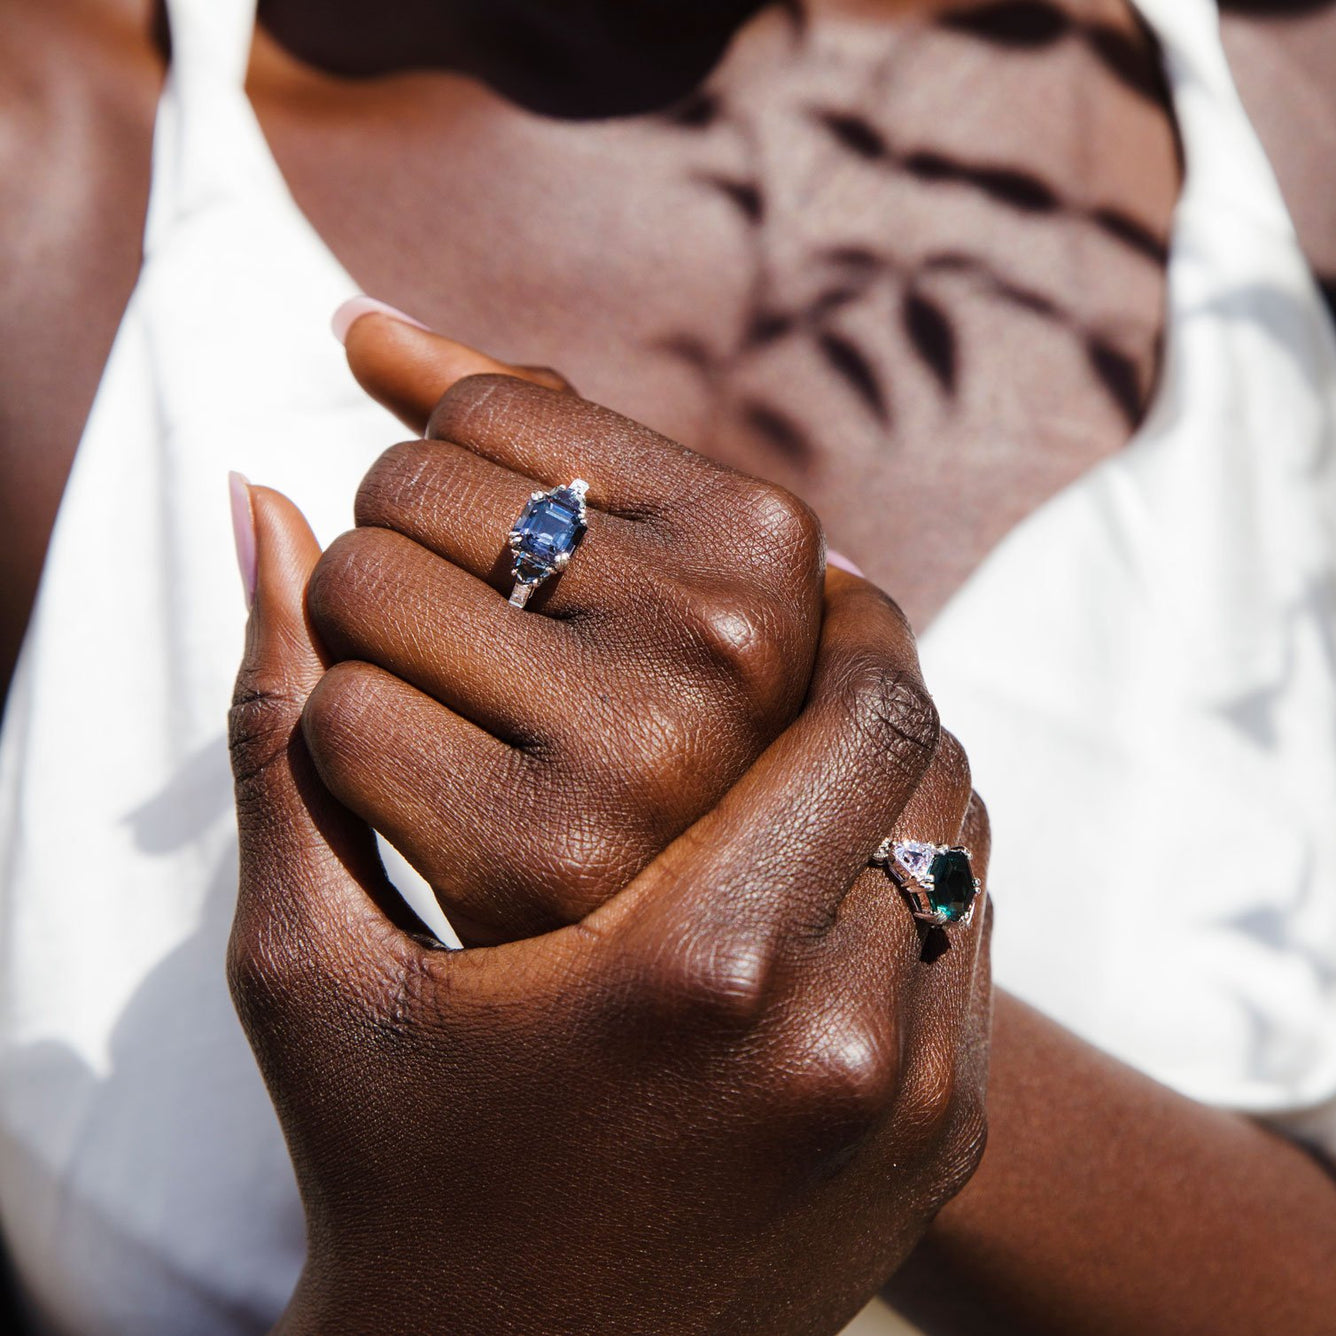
(282, 966)
(586, 855)
(657, 764)
(965, 1148)
(891, 713)
(391, 484)
(931, 1093)
(845, 1078)
(747, 641)
(340, 713)
(777, 528)
(474, 404)
(349, 575)
(648, 772)
(263, 975)
(260, 724)
(664, 772)
(956, 1151)
(708, 983)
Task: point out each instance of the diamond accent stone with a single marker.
(915, 857)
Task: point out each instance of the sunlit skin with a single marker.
(1079, 1146)
(740, 1023)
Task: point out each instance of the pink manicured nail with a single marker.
(841, 563)
(355, 308)
(243, 530)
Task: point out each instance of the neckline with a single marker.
(241, 21)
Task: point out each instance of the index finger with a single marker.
(407, 367)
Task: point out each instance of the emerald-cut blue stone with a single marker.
(952, 887)
(549, 528)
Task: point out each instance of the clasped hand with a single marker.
(697, 1072)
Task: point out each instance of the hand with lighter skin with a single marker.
(697, 1072)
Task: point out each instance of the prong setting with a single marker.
(936, 879)
(546, 536)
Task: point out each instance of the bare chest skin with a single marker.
(910, 268)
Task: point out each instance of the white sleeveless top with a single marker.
(1142, 673)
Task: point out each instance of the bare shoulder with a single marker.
(1283, 54)
(78, 85)
(79, 81)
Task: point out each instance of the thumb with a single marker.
(282, 661)
(301, 852)
(407, 367)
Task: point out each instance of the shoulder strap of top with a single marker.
(1228, 170)
(208, 147)
(211, 39)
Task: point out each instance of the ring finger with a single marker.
(463, 508)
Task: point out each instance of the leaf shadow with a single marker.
(848, 273)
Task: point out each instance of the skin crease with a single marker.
(1187, 1182)
(751, 1032)
(91, 76)
(701, 658)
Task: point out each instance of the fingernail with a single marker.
(243, 530)
(356, 307)
(843, 563)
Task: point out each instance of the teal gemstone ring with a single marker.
(937, 879)
(545, 536)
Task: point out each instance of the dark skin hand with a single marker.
(1149, 1177)
(664, 1117)
(1155, 1187)
(80, 80)
(675, 648)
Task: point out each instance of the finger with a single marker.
(407, 368)
(944, 811)
(463, 508)
(946, 1006)
(381, 598)
(309, 872)
(872, 918)
(547, 377)
(631, 470)
(889, 976)
(775, 859)
(434, 784)
(936, 812)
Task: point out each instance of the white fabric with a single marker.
(1142, 673)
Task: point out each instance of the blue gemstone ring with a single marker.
(545, 536)
(937, 879)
